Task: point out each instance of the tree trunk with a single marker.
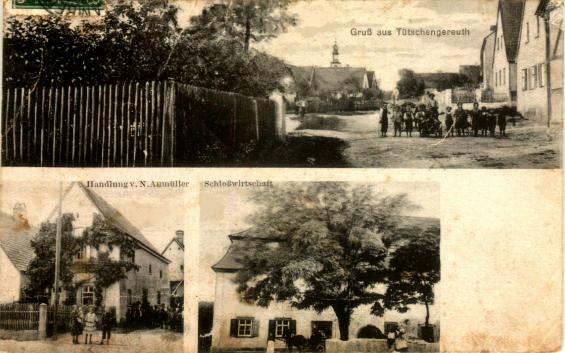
(247, 38)
(427, 313)
(343, 319)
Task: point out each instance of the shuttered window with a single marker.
(244, 327)
(542, 74)
(524, 79)
(533, 76)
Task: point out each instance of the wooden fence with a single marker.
(128, 124)
(17, 316)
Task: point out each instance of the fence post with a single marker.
(280, 128)
(42, 321)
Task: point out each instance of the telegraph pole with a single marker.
(57, 259)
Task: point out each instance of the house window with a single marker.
(533, 76)
(524, 79)
(160, 273)
(537, 26)
(542, 74)
(496, 79)
(129, 297)
(281, 325)
(244, 327)
(158, 297)
(527, 32)
(87, 295)
(504, 76)
(182, 267)
(150, 269)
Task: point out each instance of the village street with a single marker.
(526, 146)
(138, 341)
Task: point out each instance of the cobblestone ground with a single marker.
(526, 146)
(149, 341)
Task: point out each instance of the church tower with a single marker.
(335, 56)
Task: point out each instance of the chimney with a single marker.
(179, 234)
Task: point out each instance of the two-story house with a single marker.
(15, 253)
(174, 251)
(241, 326)
(507, 36)
(150, 281)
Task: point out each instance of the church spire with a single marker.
(335, 56)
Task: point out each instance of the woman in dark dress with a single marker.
(449, 121)
(384, 120)
(76, 323)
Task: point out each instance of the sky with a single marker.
(156, 220)
(223, 211)
(322, 22)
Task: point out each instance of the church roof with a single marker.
(15, 240)
(511, 17)
(241, 241)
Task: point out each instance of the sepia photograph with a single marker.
(91, 266)
(281, 83)
(320, 267)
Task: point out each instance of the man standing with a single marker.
(475, 119)
(408, 120)
(384, 120)
(107, 322)
(397, 119)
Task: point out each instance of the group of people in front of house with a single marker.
(85, 321)
(88, 323)
(425, 119)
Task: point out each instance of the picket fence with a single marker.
(25, 316)
(128, 124)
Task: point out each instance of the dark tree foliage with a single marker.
(245, 20)
(330, 250)
(143, 42)
(41, 270)
(414, 269)
(105, 270)
(409, 85)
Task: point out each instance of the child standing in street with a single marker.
(107, 323)
(90, 321)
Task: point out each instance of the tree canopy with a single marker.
(143, 42)
(330, 249)
(409, 85)
(104, 270)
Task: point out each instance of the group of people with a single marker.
(425, 119)
(158, 316)
(396, 340)
(86, 321)
(87, 324)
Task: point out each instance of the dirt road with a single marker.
(143, 341)
(526, 146)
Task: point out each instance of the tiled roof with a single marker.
(240, 242)
(511, 12)
(115, 218)
(328, 79)
(15, 240)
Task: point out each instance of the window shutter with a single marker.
(233, 328)
(255, 328)
(293, 327)
(272, 325)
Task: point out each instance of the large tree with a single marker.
(331, 248)
(409, 85)
(104, 270)
(414, 270)
(41, 270)
(245, 20)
